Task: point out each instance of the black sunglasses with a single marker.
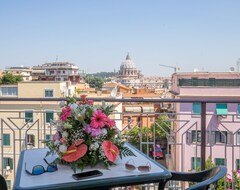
(39, 169)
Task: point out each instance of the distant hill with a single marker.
(103, 74)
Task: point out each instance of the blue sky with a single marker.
(97, 34)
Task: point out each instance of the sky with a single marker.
(96, 35)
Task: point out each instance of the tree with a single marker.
(94, 82)
(162, 127)
(9, 78)
(133, 135)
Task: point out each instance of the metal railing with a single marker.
(186, 137)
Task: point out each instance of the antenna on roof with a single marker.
(56, 58)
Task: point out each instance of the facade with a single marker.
(58, 71)
(129, 75)
(25, 72)
(222, 119)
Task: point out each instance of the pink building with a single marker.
(222, 119)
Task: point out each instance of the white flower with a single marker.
(64, 134)
(56, 142)
(73, 106)
(104, 131)
(62, 104)
(94, 146)
(63, 148)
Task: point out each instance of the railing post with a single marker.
(203, 134)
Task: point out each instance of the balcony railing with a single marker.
(188, 139)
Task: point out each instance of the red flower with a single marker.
(111, 151)
(75, 151)
(98, 119)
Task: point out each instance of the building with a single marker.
(25, 72)
(222, 119)
(129, 75)
(58, 71)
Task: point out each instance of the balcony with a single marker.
(191, 132)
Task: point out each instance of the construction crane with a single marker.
(175, 68)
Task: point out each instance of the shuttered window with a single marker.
(49, 116)
(6, 139)
(221, 109)
(238, 164)
(28, 116)
(196, 108)
(47, 137)
(7, 162)
(219, 162)
(196, 163)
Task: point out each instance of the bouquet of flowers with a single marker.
(85, 135)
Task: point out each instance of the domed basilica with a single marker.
(130, 76)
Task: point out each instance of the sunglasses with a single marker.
(39, 169)
(130, 165)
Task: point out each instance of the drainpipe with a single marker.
(203, 135)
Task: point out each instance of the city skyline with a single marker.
(97, 35)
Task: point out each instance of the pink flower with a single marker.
(56, 136)
(111, 151)
(98, 119)
(110, 122)
(229, 178)
(90, 102)
(94, 132)
(83, 97)
(66, 112)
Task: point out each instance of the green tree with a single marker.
(94, 82)
(9, 78)
(147, 133)
(162, 127)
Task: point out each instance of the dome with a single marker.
(128, 63)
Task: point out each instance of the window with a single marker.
(221, 137)
(30, 139)
(196, 136)
(9, 91)
(238, 137)
(219, 161)
(196, 108)
(237, 164)
(28, 116)
(48, 116)
(48, 93)
(7, 162)
(196, 163)
(238, 109)
(221, 109)
(47, 137)
(6, 139)
(8, 182)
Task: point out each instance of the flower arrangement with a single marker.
(85, 135)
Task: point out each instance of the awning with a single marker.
(221, 109)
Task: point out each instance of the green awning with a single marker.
(221, 109)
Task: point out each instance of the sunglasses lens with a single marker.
(51, 168)
(130, 167)
(144, 168)
(37, 170)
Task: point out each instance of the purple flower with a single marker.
(94, 132)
